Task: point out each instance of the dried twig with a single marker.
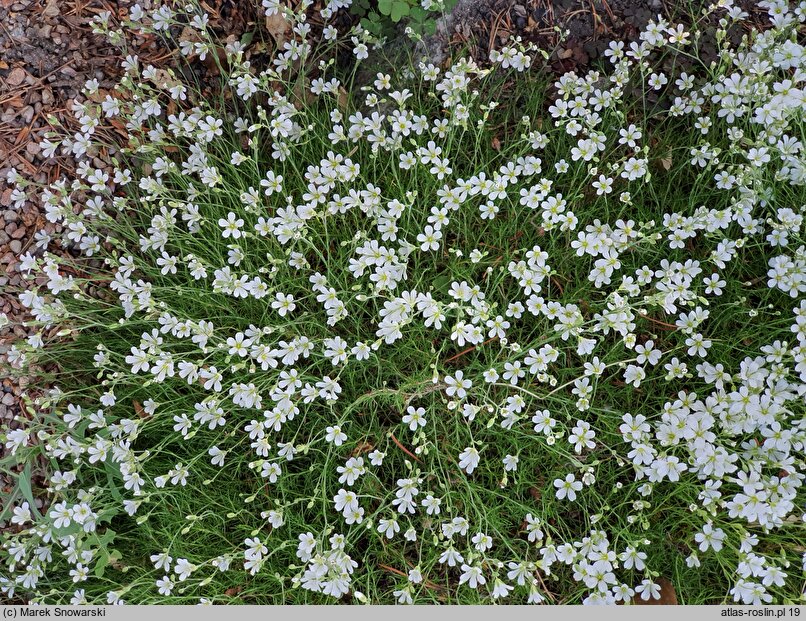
(668, 326)
(404, 449)
(469, 349)
(426, 583)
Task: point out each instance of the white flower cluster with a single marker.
(318, 270)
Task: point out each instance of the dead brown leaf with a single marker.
(343, 98)
(119, 127)
(98, 96)
(279, 28)
(362, 447)
(303, 96)
(189, 34)
(163, 79)
(21, 136)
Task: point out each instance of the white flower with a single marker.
(162, 561)
(698, 345)
(61, 515)
(472, 576)
(469, 459)
(431, 504)
(710, 537)
(360, 49)
(451, 557)
(567, 488)
(15, 439)
(648, 353)
(429, 239)
(336, 350)
(634, 374)
(345, 500)
(22, 514)
(713, 284)
(482, 542)
(283, 304)
(631, 557)
(165, 585)
(231, 227)
(510, 463)
(648, 590)
(271, 471)
(183, 569)
(603, 185)
(388, 527)
(335, 435)
(217, 456)
(582, 436)
(457, 385)
(414, 418)
(500, 589)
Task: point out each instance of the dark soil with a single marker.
(588, 27)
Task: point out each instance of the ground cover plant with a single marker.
(380, 19)
(448, 335)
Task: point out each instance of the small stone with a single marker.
(52, 9)
(19, 233)
(8, 399)
(16, 77)
(539, 15)
(15, 246)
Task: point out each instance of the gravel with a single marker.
(47, 53)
